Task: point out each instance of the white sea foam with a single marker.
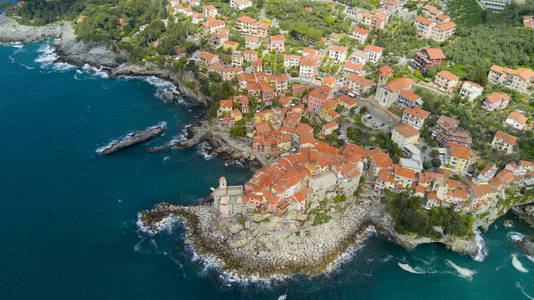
(517, 284)
(205, 151)
(516, 236)
(98, 72)
(47, 56)
(517, 264)
(482, 251)
(387, 258)
(282, 297)
(530, 258)
(61, 66)
(100, 149)
(15, 45)
(158, 82)
(165, 223)
(408, 268)
(464, 272)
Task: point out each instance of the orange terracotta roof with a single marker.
(518, 117)
(460, 151)
(338, 48)
(446, 26)
(406, 130)
(372, 48)
(497, 97)
(417, 112)
(435, 53)
(399, 83)
(410, 95)
(226, 103)
(403, 172)
(361, 30)
(447, 75)
(246, 19)
(423, 20)
(507, 138)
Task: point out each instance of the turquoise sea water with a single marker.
(68, 215)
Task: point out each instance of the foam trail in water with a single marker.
(282, 297)
(408, 268)
(517, 264)
(523, 291)
(464, 272)
(531, 258)
(482, 251)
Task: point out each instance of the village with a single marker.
(303, 110)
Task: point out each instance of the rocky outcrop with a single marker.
(220, 144)
(526, 213)
(11, 31)
(70, 49)
(133, 138)
(151, 69)
(385, 225)
(248, 250)
(527, 245)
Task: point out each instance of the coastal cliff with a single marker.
(68, 47)
(73, 51)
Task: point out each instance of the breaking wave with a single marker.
(482, 251)
(47, 55)
(98, 72)
(205, 151)
(516, 236)
(164, 224)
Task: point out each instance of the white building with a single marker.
(337, 53)
(495, 5)
(471, 90)
(240, 4)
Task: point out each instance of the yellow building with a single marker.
(459, 158)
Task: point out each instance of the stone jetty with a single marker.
(133, 138)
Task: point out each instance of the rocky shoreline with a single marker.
(77, 53)
(253, 254)
(526, 213)
(220, 143)
(260, 254)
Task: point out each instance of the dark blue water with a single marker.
(68, 214)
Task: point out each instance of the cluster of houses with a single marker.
(434, 24)
(305, 169)
(296, 181)
(299, 180)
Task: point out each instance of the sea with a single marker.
(68, 214)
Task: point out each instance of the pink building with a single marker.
(278, 43)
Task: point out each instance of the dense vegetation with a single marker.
(484, 46)
(400, 38)
(314, 24)
(411, 218)
(41, 12)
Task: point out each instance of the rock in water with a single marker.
(133, 138)
(527, 245)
